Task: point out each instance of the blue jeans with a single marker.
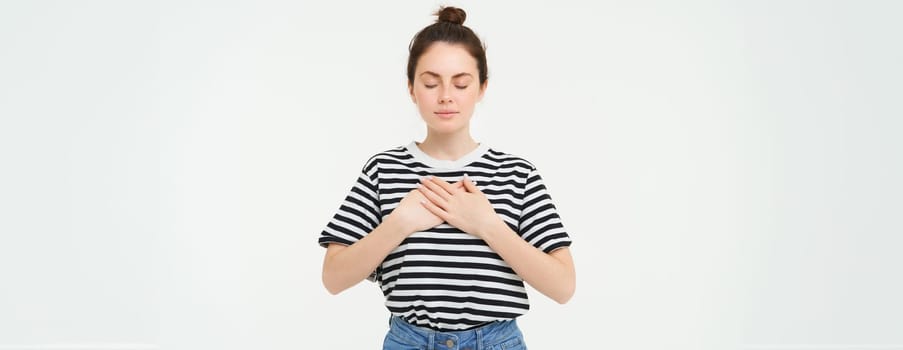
(497, 335)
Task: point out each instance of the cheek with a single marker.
(422, 95)
(470, 96)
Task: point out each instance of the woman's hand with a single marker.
(412, 215)
(462, 206)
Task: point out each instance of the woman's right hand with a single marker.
(412, 215)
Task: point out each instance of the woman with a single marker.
(449, 227)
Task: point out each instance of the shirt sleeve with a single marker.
(540, 223)
(359, 213)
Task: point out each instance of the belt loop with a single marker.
(432, 340)
(479, 338)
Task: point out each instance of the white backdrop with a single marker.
(729, 171)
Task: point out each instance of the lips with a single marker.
(446, 114)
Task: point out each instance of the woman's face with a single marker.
(446, 87)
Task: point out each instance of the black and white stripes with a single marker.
(443, 278)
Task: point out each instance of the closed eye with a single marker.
(461, 87)
(429, 86)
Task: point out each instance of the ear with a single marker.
(411, 92)
(483, 90)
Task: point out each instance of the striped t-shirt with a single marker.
(444, 278)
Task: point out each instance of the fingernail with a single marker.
(466, 176)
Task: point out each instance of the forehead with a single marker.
(446, 60)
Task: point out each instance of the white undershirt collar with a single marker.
(468, 158)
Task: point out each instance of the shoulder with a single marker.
(509, 160)
(394, 154)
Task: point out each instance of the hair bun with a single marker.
(451, 15)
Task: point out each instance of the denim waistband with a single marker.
(488, 333)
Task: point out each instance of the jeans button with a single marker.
(449, 343)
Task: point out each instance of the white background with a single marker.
(729, 171)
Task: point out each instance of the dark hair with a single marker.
(449, 28)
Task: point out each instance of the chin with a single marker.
(445, 128)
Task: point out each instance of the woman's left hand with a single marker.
(465, 207)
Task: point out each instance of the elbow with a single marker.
(331, 286)
(566, 293)
(332, 289)
(331, 280)
(564, 297)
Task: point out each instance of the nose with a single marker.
(444, 99)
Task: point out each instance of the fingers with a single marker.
(440, 192)
(432, 196)
(445, 185)
(436, 210)
(469, 185)
(438, 186)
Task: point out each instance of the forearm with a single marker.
(552, 274)
(345, 266)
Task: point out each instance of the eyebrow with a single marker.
(453, 76)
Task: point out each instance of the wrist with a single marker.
(397, 224)
(495, 228)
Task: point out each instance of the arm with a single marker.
(468, 209)
(344, 266)
(551, 274)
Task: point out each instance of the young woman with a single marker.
(449, 227)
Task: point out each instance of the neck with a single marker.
(448, 146)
